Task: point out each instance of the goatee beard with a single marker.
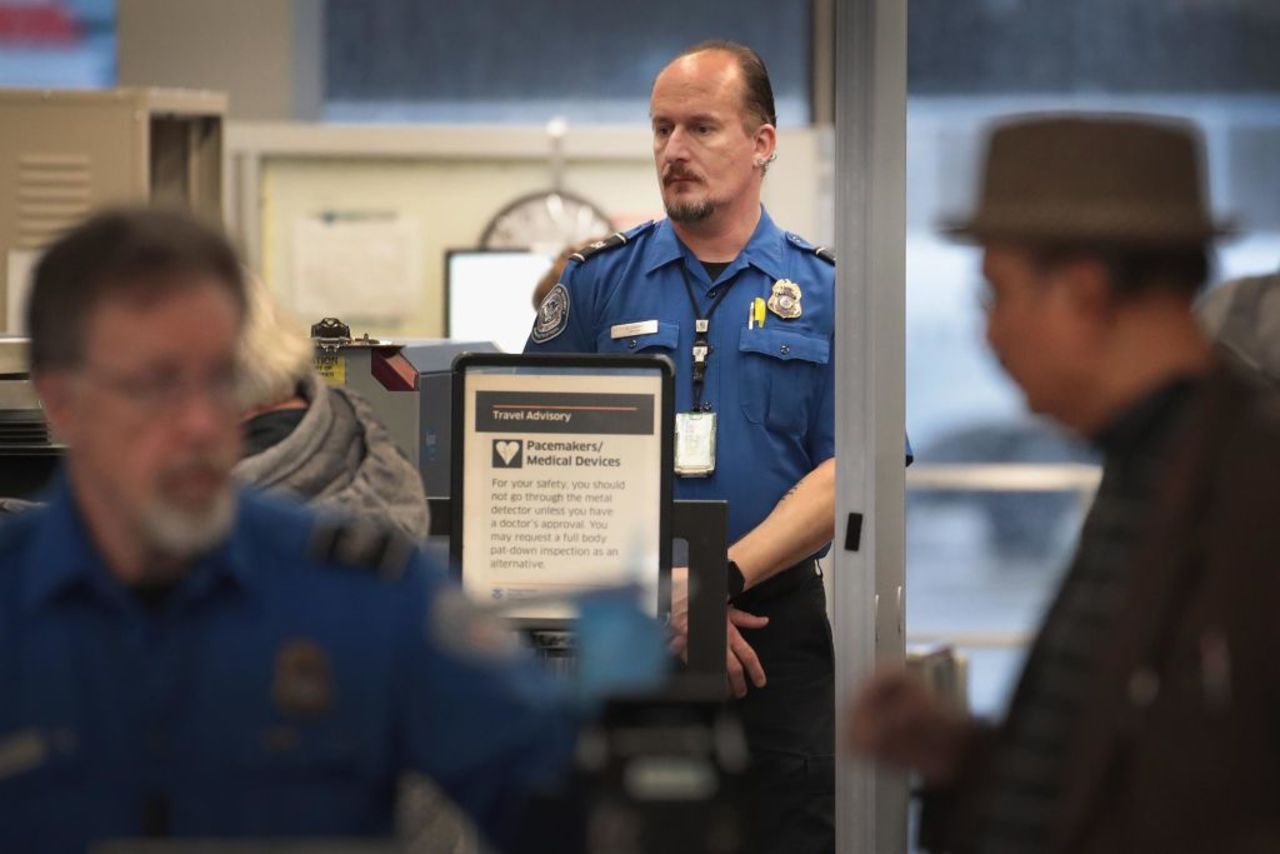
(184, 533)
(690, 212)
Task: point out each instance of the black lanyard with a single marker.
(701, 329)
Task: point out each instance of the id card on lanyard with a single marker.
(695, 452)
(695, 444)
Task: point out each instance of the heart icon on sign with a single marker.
(507, 450)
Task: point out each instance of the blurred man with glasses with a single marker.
(178, 657)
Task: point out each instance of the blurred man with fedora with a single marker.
(1147, 717)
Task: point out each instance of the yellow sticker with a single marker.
(332, 369)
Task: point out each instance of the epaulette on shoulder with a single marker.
(613, 241)
(15, 506)
(359, 544)
(822, 252)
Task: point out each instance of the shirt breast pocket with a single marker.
(664, 339)
(312, 776)
(781, 376)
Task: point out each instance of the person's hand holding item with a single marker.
(679, 610)
(895, 720)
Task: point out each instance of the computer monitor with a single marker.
(489, 293)
(562, 469)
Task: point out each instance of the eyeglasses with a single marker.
(986, 299)
(167, 392)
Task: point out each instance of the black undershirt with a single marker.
(714, 268)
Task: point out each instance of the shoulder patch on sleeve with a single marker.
(378, 549)
(553, 315)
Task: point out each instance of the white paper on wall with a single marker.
(357, 266)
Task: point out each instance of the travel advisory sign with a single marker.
(563, 485)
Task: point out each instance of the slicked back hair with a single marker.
(757, 91)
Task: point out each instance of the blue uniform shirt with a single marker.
(278, 690)
(772, 388)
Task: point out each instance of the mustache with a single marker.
(212, 463)
(677, 172)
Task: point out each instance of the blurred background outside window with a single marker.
(498, 61)
(486, 61)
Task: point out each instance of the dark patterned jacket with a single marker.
(1177, 748)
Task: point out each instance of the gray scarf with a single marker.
(341, 457)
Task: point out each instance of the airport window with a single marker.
(996, 496)
(497, 61)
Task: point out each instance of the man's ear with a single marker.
(765, 143)
(57, 399)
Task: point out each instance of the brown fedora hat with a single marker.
(1107, 179)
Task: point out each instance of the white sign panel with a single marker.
(562, 485)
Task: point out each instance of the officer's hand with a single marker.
(896, 720)
(679, 610)
(740, 659)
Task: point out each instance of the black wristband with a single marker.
(734, 580)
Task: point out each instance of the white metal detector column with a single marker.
(871, 106)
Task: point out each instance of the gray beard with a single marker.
(691, 212)
(180, 533)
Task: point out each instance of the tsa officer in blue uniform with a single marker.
(745, 311)
(179, 658)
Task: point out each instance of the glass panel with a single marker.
(500, 61)
(984, 559)
(981, 567)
